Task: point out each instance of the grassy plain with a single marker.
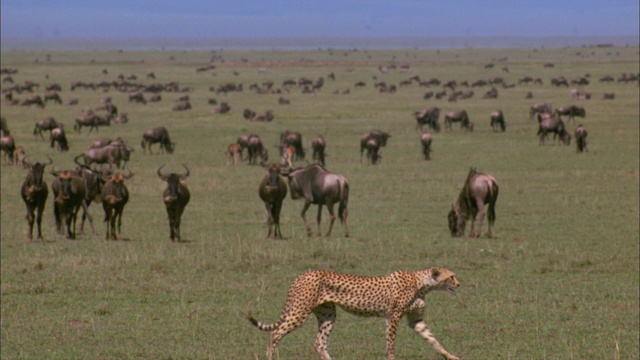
(558, 281)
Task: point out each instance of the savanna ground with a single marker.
(558, 281)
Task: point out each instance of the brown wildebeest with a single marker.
(571, 111)
(110, 154)
(137, 97)
(256, 149)
(18, 156)
(460, 116)
(115, 196)
(8, 146)
(318, 145)
(318, 186)
(46, 124)
(33, 99)
(425, 140)
(429, 116)
(291, 138)
(539, 108)
(34, 193)
(176, 197)
(68, 196)
(157, 135)
(381, 138)
(52, 96)
(549, 124)
(287, 156)
(479, 189)
(58, 136)
(497, 121)
(581, 138)
(608, 96)
(234, 153)
(272, 191)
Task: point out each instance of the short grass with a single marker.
(559, 280)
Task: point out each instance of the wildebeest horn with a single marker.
(160, 175)
(75, 159)
(55, 172)
(25, 163)
(188, 172)
(50, 161)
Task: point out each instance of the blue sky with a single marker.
(325, 18)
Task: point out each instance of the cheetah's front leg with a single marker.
(417, 323)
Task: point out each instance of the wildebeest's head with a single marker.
(456, 222)
(36, 171)
(274, 174)
(173, 181)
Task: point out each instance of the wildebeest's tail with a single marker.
(344, 199)
(493, 197)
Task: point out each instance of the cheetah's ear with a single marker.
(435, 272)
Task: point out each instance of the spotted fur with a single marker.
(391, 296)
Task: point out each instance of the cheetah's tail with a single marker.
(262, 326)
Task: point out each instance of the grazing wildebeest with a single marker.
(110, 154)
(248, 114)
(549, 124)
(114, 197)
(87, 118)
(53, 96)
(243, 141)
(381, 138)
(608, 96)
(460, 116)
(255, 150)
(234, 153)
(425, 140)
(8, 146)
(560, 80)
(318, 145)
(272, 191)
(428, 116)
(318, 186)
(176, 197)
(68, 196)
(181, 106)
(157, 135)
(58, 136)
(581, 138)
(479, 189)
(34, 193)
(33, 99)
(373, 151)
(497, 121)
(571, 111)
(539, 108)
(46, 124)
(137, 97)
(291, 138)
(222, 109)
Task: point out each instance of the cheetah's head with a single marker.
(444, 279)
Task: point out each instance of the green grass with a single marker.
(559, 280)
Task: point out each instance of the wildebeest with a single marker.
(34, 193)
(549, 124)
(291, 138)
(318, 146)
(539, 108)
(479, 189)
(321, 187)
(46, 124)
(429, 116)
(137, 97)
(18, 156)
(287, 155)
(8, 146)
(256, 149)
(373, 151)
(608, 96)
(157, 135)
(460, 116)
(425, 140)
(93, 184)
(115, 196)
(176, 197)
(272, 191)
(110, 154)
(52, 96)
(181, 106)
(68, 196)
(33, 99)
(381, 138)
(497, 121)
(571, 111)
(121, 119)
(58, 136)
(4, 127)
(234, 153)
(581, 138)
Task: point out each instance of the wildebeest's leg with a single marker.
(480, 213)
(119, 213)
(85, 215)
(331, 215)
(57, 216)
(107, 220)
(304, 211)
(31, 218)
(319, 218)
(177, 224)
(277, 206)
(270, 219)
(39, 221)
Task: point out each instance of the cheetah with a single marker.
(391, 296)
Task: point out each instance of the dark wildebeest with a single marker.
(425, 140)
(460, 116)
(381, 138)
(87, 118)
(549, 124)
(8, 146)
(429, 116)
(157, 135)
(53, 96)
(571, 111)
(181, 106)
(58, 136)
(581, 138)
(4, 127)
(110, 154)
(248, 114)
(479, 190)
(137, 97)
(93, 184)
(34, 193)
(318, 186)
(176, 197)
(497, 121)
(539, 108)
(291, 138)
(114, 197)
(255, 150)
(33, 99)
(318, 145)
(68, 196)
(272, 191)
(46, 124)
(608, 96)
(373, 151)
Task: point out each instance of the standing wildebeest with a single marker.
(429, 116)
(53, 96)
(4, 127)
(381, 137)
(234, 153)
(539, 108)
(8, 146)
(497, 121)
(373, 151)
(137, 97)
(572, 111)
(58, 135)
(425, 140)
(256, 149)
(581, 138)
(479, 189)
(321, 187)
(549, 124)
(46, 124)
(318, 145)
(68, 195)
(291, 138)
(460, 116)
(114, 197)
(33, 99)
(155, 135)
(287, 156)
(34, 193)
(272, 191)
(93, 184)
(110, 154)
(176, 197)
